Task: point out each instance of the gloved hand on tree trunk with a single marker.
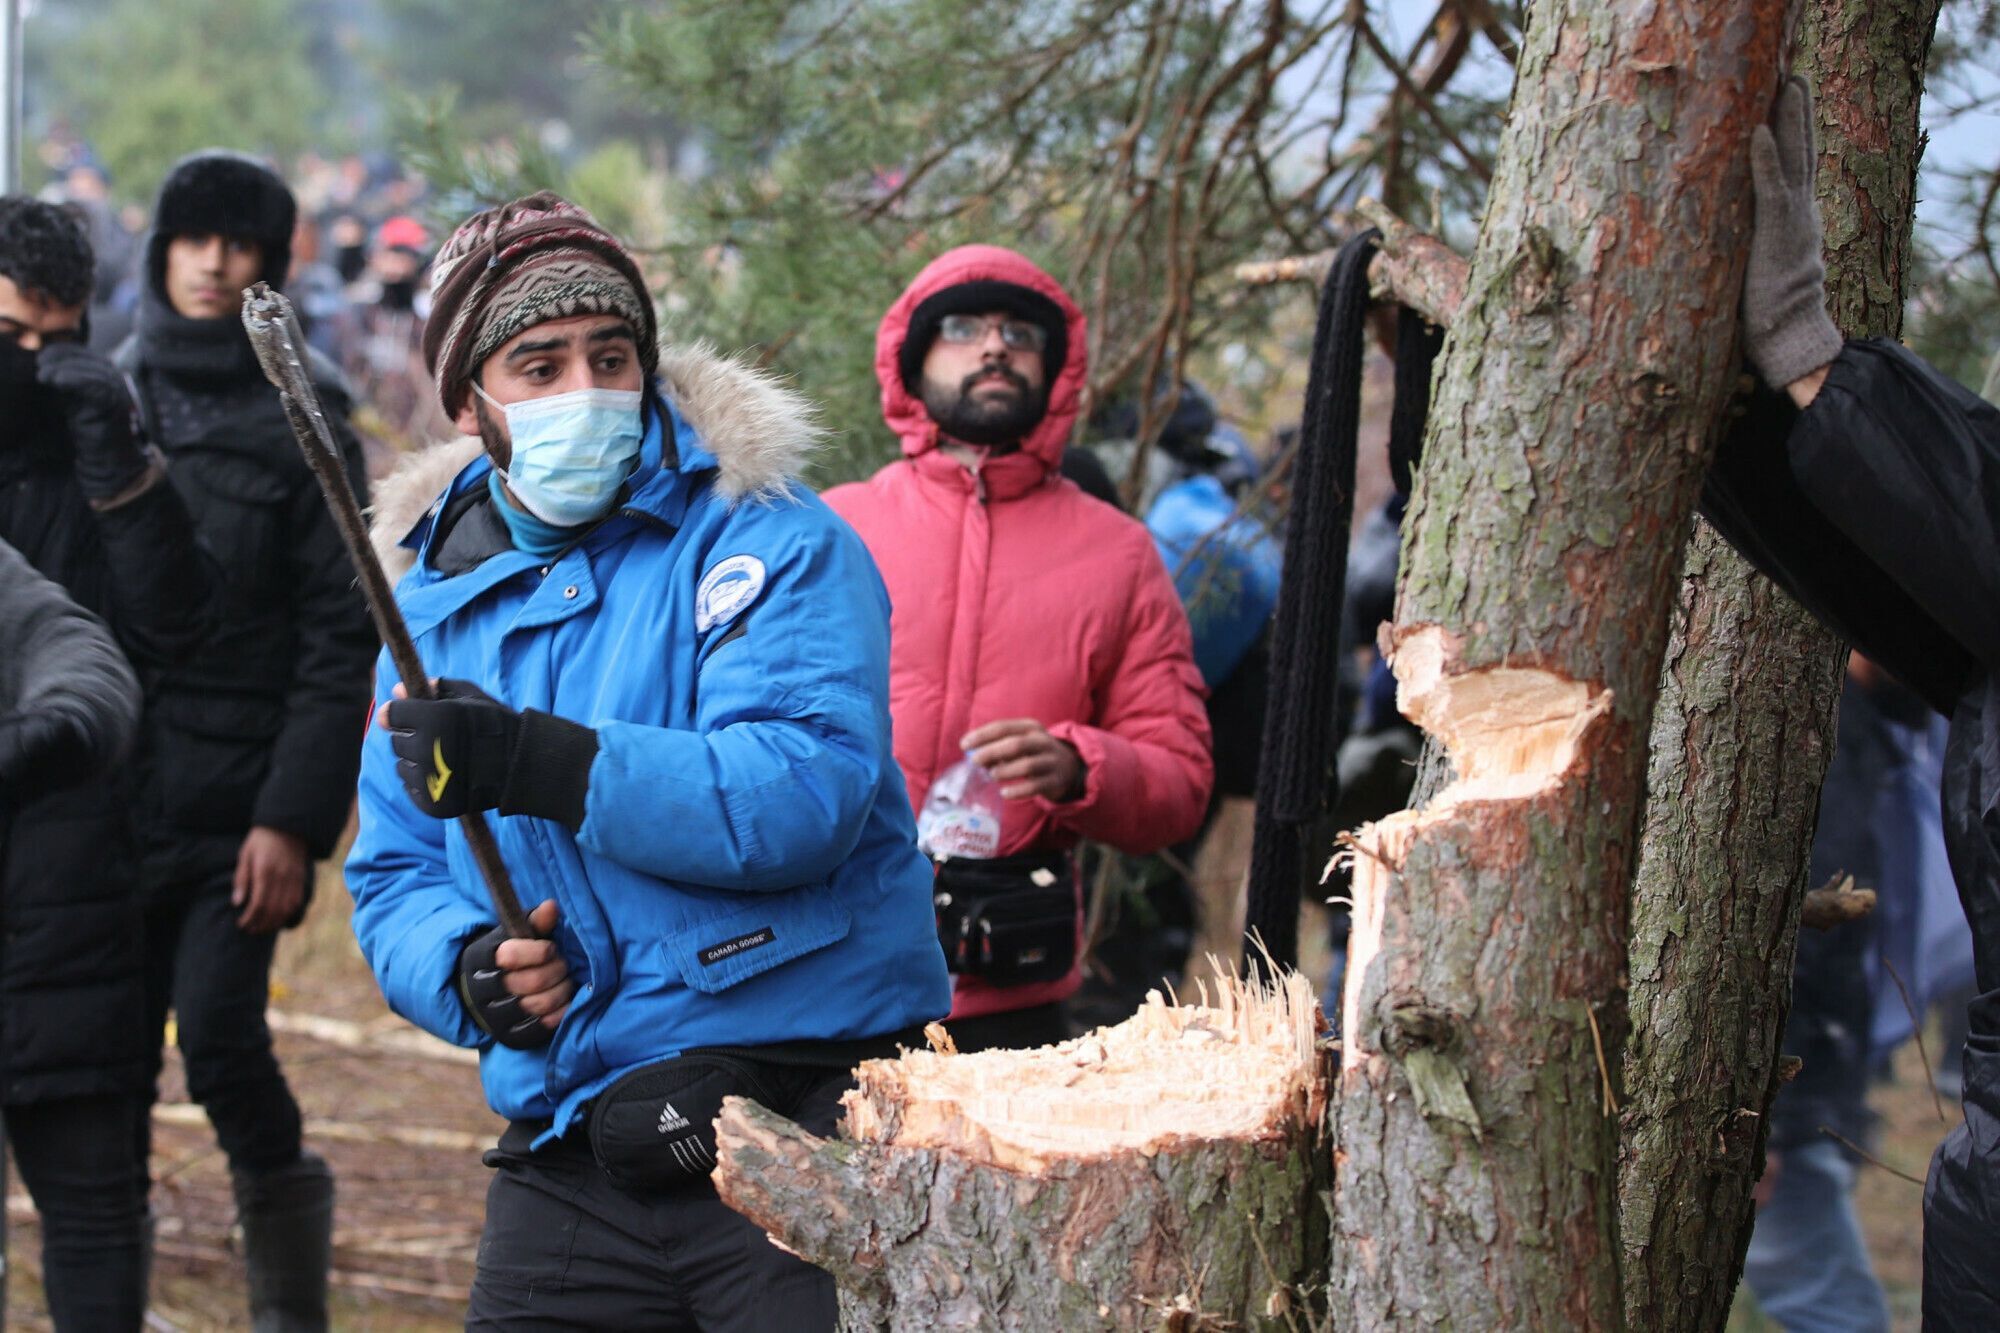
(1786, 330)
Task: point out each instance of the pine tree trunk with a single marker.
(1163, 1173)
(1583, 378)
(1741, 738)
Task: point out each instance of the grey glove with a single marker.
(1786, 330)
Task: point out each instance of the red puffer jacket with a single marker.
(1014, 594)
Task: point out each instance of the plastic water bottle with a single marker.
(961, 814)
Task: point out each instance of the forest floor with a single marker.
(401, 1118)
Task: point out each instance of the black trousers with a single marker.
(564, 1248)
(216, 978)
(75, 1157)
(1012, 1029)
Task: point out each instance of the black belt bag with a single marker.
(1009, 921)
(654, 1129)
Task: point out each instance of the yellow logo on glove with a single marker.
(436, 781)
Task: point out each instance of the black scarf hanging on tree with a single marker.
(1302, 725)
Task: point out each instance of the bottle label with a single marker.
(960, 832)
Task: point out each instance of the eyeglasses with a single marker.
(1017, 335)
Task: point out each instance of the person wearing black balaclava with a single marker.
(249, 749)
(83, 501)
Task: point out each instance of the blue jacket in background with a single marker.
(747, 870)
(1225, 567)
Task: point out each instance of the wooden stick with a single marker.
(1835, 904)
(187, 1115)
(400, 1039)
(1410, 267)
(1917, 1031)
(276, 337)
(1869, 1157)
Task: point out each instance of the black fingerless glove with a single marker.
(482, 988)
(465, 751)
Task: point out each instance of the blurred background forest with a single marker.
(787, 164)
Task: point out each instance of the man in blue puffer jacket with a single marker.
(665, 666)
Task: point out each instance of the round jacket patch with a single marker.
(726, 590)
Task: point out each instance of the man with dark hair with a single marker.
(1036, 633)
(85, 504)
(249, 746)
(666, 667)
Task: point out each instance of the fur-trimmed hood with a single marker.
(760, 430)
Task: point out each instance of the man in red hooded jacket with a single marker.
(1032, 627)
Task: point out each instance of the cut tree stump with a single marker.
(1166, 1172)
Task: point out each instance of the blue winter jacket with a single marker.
(746, 872)
(1225, 567)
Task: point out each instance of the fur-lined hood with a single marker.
(760, 430)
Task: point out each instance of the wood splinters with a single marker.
(1016, 1188)
(940, 1039)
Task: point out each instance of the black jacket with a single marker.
(262, 725)
(71, 1003)
(1879, 508)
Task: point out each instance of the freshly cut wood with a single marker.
(1166, 1171)
(1580, 389)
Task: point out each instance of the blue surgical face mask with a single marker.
(572, 451)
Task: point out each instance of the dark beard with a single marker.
(999, 425)
(498, 448)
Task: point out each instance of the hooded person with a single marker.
(1036, 633)
(247, 755)
(665, 669)
(85, 503)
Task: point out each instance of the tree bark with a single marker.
(1582, 381)
(1741, 739)
(1163, 1173)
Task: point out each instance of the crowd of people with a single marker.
(700, 710)
(359, 253)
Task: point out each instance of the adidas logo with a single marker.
(671, 1120)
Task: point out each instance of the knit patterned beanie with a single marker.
(510, 268)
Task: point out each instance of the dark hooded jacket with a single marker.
(70, 1002)
(1879, 508)
(71, 966)
(262, 725)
